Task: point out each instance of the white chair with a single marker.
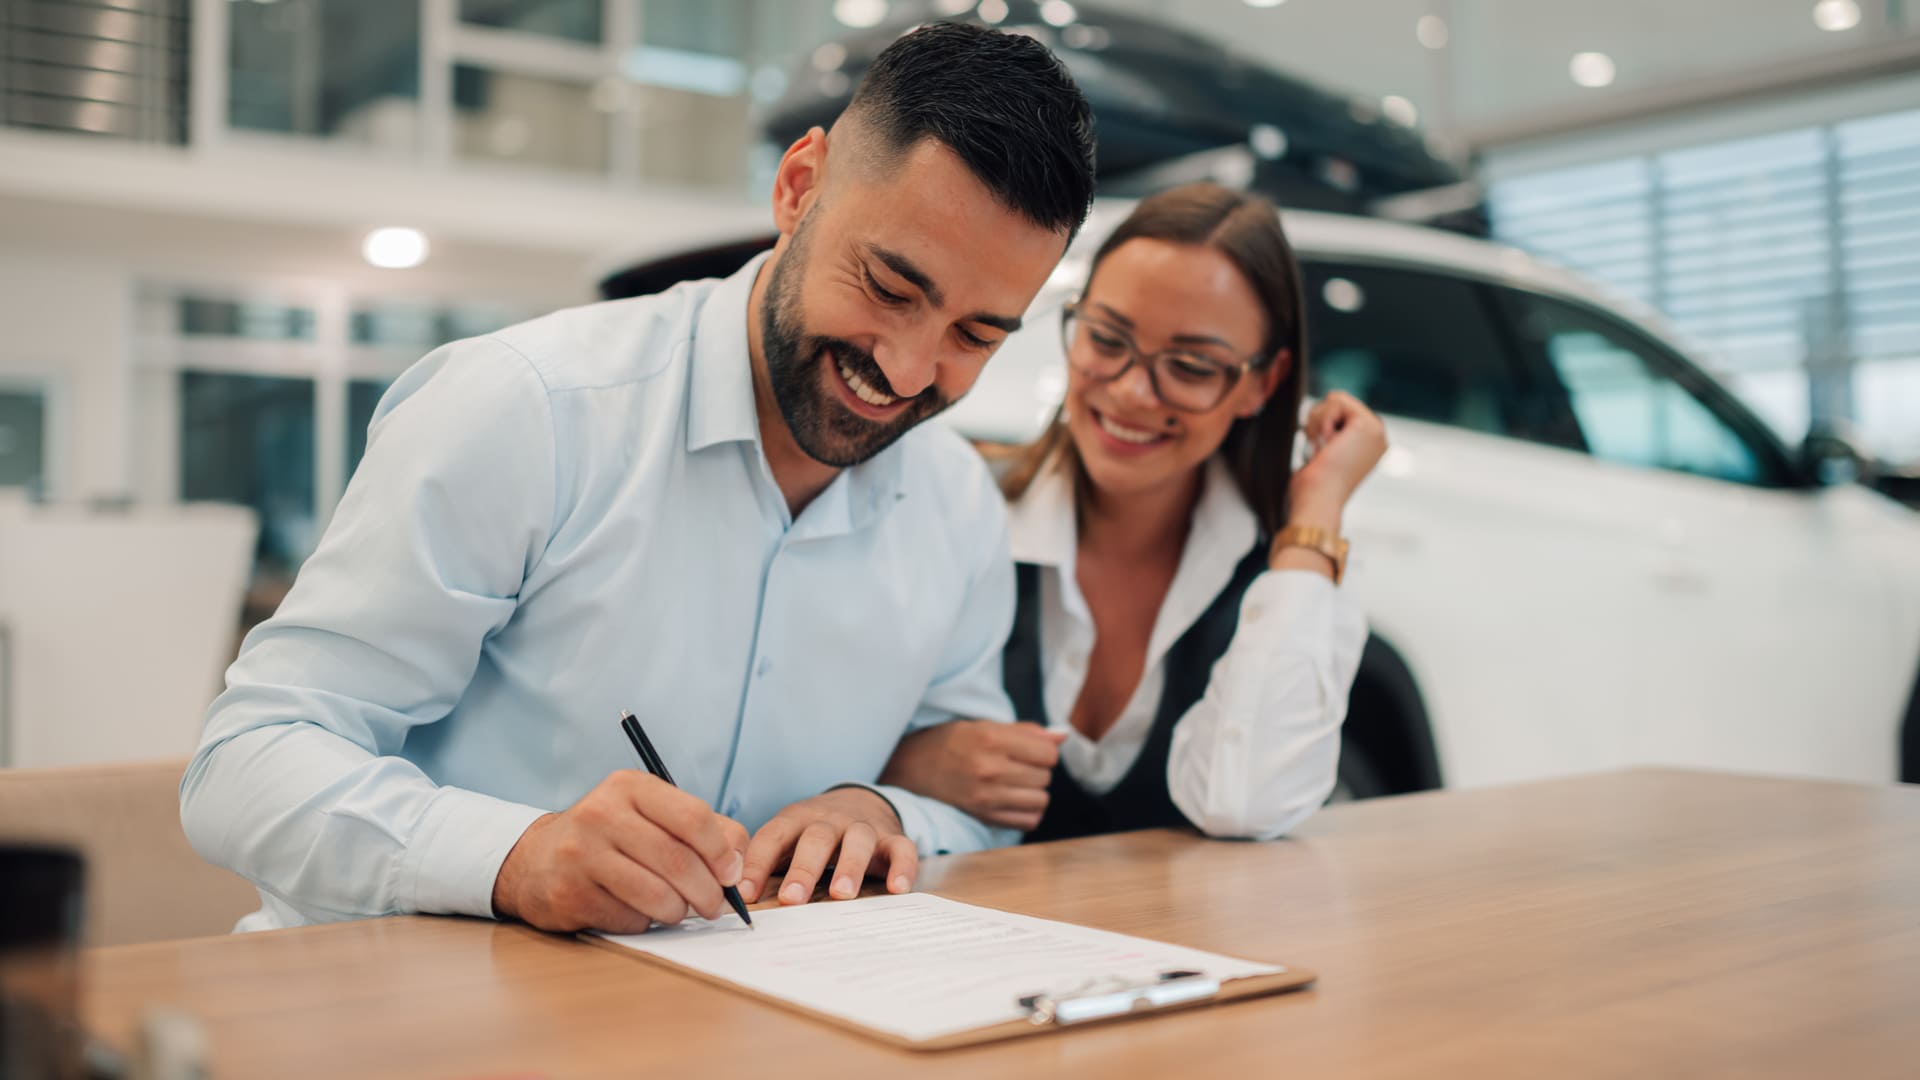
(118, 626)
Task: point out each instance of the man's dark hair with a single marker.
(1000, 101)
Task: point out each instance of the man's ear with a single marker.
(797, 183)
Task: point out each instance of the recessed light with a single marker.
(829, 57)
(860, 14)
(1057, 13)
(1267, 141)
(1432, 31)
(1399, 110)
(1343, 295)
(1265, 3)
(1592, 70)
(951, 8)
(1836, 15)
(395, 248)
(993, 11)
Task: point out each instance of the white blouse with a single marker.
(1256, 755)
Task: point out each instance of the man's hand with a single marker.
(996, 772)
(635, 850)
(857, 823)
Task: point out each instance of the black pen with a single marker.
(651, 759)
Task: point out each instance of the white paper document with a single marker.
(918, 966)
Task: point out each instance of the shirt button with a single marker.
(760, 670)
(733, 808)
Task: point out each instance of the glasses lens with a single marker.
(1193, 383)
(1096, 348)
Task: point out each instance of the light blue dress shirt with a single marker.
(568, 518)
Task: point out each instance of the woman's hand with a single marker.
(1348, 440)
(996, 772)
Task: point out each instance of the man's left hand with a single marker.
(853, 822)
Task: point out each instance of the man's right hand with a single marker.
(635, 850)
(996, 772)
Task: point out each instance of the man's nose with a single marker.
(909, 369)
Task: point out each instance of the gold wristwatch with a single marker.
(1313, 538)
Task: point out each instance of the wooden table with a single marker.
(1639, 924)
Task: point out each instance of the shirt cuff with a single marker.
(914, 819)
(456, 853)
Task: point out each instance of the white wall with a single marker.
(67, 321)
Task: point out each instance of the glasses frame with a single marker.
(1150, 362)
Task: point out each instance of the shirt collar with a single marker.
(1043, 531)
(1041, 526)
(720, 405)
(720, 408)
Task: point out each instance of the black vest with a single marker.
(1140, 800)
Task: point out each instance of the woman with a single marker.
(1180, 626)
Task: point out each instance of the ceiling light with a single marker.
(1432, 31)
(395, 248)
(951, 8)
(1267, 141)
(1057, 12)
(1265, 3)
(829, 57)
(993, 11)
(860, 14)
(1399, 110)
(1343, 295)
(1836, 15)
(1591, 69)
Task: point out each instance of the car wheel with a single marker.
(1356, 778)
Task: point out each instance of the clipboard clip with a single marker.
(1099, 999)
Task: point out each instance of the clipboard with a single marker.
(1077, 1003)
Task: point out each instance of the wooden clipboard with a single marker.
(1290, 978)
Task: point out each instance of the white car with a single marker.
(1580, 552)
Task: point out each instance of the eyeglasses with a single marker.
(1191, 378)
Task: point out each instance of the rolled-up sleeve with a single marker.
(295, 785)
(1258, 753)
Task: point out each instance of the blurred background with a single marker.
(226, 225)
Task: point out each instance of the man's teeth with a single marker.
(1126, 434)
(864, 392)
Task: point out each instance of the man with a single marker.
(706, 506)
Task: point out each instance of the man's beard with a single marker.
(826, 429)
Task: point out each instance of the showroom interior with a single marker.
(1633, 289)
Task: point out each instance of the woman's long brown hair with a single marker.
(1246, 229)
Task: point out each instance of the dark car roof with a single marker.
(1159, 93)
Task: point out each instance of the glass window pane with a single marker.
(414, 326)
(575, 20)
(1886, 399)
(1630, 410)
(338, 69)
(229, 318)
(248, 439)
(363, 396)
(1412, 344)
(23, 427)
(528, 120)
(716, 27)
